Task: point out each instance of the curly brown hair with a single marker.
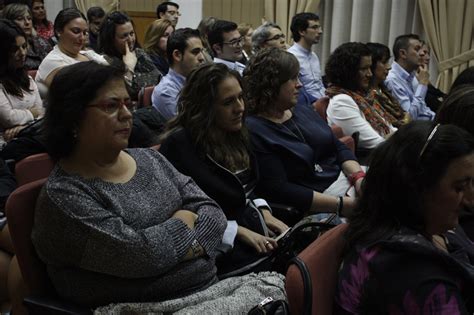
(342, 67)
(266, 72)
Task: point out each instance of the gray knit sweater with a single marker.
(105, 242)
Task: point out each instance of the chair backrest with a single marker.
(322, 258)
(144, 96)
(20, 210)
(321, 105)
(32, 73)
(33, 167)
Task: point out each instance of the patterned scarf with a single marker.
(390, 105)
(377, 117)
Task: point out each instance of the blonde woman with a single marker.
(156, 38)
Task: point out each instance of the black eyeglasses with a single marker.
(113, 106)
(236, 42)
(433, 132)
(276, 37)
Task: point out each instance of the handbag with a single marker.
(270, 307)
(297, 239)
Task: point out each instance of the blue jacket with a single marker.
(291, 168)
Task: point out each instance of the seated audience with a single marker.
(121, 225)
(306, 31)
(95, 17)
(20, 102)
(408, 78)
(246, 30)
(118, 42)
(204, 28)
(168, 10)
(71, 28)
(268, 35)
(378, 91)
(434, 97)
(156, 38)
(301, 162)
(348, 107)
(38, 47)
(458, 109)
(207, 141)
(405, 253)
(184, 51)
(44, 28)
(226, 44)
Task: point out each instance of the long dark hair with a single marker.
(107, 33)
(45, 21)
(14, 80)
(400, 175)
(196, 114)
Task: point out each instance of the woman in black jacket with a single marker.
(207, 141)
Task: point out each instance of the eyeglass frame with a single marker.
(236, 42)
(276, 37)
(103, 106)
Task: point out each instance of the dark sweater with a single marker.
(105, 242)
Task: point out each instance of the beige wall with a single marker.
(239, 11)
(139, 5)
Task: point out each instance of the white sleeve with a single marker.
(11, 116)
(345, 113)
(230, 233)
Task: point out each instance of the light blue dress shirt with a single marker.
(409, 93)
(165, 94)
(310, 70)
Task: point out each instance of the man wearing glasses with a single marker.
(226, 43)
(168, 10)
(306, 31)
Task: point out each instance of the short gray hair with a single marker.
(261, 34)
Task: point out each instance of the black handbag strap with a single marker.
(307, 285)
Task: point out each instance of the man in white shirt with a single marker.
(226, 43)
(306, 30)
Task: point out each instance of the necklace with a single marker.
(295, 127)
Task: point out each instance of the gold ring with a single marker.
(267, 243)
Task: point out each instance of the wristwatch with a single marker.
(196, 248)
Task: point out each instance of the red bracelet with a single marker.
(354, 177)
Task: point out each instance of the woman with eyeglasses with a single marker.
(301, 163)
(121, 224)
(38, 47)
(118, 43)
(71, 30)
(405, 253)
(268, 35)
(156, 38)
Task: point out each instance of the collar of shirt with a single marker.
(402, 73)
(301, 49)
(175, 76)
(234, 65)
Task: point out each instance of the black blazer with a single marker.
(217, 182)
